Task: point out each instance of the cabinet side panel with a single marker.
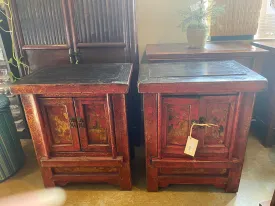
(34, 120)
(122, 140)
(150, 127)
(245, 116)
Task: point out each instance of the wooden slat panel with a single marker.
(108, 178)
(84, 170)
(42, 22)
(180, 163)
(98, 20)
(164, 181)
(82, 162)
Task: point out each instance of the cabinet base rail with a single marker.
(179, 163)
(82, 162)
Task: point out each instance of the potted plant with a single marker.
(195, 21)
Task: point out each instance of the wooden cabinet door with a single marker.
(177, 115)
(218, 110)
(60, 125)
(95, 124)
(42, 28)
(101, 30)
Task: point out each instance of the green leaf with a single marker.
(11, 77)
(10, 61)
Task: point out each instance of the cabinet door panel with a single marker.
(101, 21)
(218, 110)
(42, 22)
(94, 124)
(61, 129)
(177, 117)
(42, 28)
(100, 30)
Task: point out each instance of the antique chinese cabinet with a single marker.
(77, 119)
(177, 94)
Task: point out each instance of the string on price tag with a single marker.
(192, 143)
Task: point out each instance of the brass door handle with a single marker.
(81, 122)
(73, 122)
(202, 120)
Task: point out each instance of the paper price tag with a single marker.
(191, 146)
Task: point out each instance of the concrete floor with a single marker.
(257, 184)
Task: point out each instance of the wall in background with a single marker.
(157, 22)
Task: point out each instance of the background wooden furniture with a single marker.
(77, 119)
(264, 106)
(86, 31)
(175, 95)
(244, 53)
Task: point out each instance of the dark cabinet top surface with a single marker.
(182, 51)
(210, 76)
(76, 78)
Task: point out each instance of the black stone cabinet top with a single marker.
(185, 76)
(81, 74)
(89, 78)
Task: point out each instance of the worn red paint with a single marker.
(83, 132)
(171, 104)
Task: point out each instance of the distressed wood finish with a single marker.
(242, 52)
(175, 95)
(93, 124)
(79, 135)
(61, 131)
(264, 105)
(151, 135)
(121, 133)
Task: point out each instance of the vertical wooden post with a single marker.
(246, 109)
(151, 131)
(73, 30)
(121, 131)
(66, 22)
(235, 124)
(111, 126)
(159, 125)
(35, 121)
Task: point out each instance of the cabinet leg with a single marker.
(270, 135)
(233, 180)
(125, 178)
(152, 179)
(47, 177)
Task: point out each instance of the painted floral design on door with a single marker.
(216, 114)
(59, 124)
(178, 124)
(97, 123)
